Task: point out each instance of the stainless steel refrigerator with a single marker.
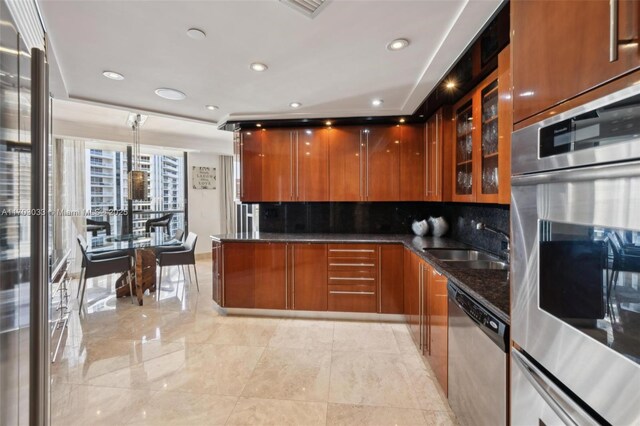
(24, 301)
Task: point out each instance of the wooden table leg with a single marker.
(145, 272)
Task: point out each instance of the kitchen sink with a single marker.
(481, 264)
(460, 255)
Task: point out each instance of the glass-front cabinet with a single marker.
(482, 139)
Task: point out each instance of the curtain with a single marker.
(69, 196)
(227, 202)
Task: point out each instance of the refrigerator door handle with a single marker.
(561, 404)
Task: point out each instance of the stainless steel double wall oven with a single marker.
(575, 304)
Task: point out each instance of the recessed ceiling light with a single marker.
(196, 34)
(397, 44)
(258, 66)
(258, 125)
(211, 107)
(402, 120)
(377, 102)
(328, 123)
(171, 94)
(450, 84)
(295, 104)
(113, 75)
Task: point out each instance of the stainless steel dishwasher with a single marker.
(477, 362)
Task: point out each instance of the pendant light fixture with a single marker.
(138, 179)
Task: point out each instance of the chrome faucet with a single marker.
(481, 225)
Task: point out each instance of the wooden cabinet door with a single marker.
(216, 272)
(277, 165)
(309, 277)
(438, 320)
(239, 276)
(391, 284)
(345, 164)
(382, 168)
(270, 275)
(465, 148)
(250, 166)
(438, 159)
(412, 162)
(411, 294)
(312, 165)
(505, 126)
(562, 48)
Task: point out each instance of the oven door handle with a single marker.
(609, 171)
(570, 412)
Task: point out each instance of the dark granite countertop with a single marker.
(488, 286)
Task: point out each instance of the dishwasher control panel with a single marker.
(496, 329)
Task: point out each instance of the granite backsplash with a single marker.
(387, 218)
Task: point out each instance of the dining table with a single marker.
(142, 248)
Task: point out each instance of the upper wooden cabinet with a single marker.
(412, 161)
(481, 151)
(345, 164)
(250, 156)
(277, 165)
(381, 163)
(437, 186)
(564, 48)
(311, 165)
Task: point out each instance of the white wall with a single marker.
(204, 205)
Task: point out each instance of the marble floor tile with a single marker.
(177, 360)
(347, 339)
(364, 415)
(303, 335)
(188, 409)
(283, 373)
(254, 411)
(92, 405)
(371, 379)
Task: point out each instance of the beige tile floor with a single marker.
(177, 361)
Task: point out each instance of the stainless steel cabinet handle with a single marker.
(613, 30)
(360, 143)
(420, 306)
(426, 160)
(367, 167)
(352, 279)
(297, 168)
(241, 143)
(353, 264)
(352, 250)
(351, 292)
(437, 159)
(570, 412)
(379, 279)
(291, 160)
(286, 276)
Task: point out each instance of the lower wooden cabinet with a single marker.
(412, 295)
(391, 275)
(309, 277)
(239, 275)
(437, 326)
(216, 272)
(270, 275)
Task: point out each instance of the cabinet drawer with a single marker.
(352, 298)
(352, 264)
(369, 251)
(353, 277)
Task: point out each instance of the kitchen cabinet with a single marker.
(481, 157)
(277, 165)
(353, 271)
(437, 170)
(308, 276)
(345, 164)
(239, 275)
(216, 273)
(391, 274)
(311, 165)
(436, 324)
(564, 48)
(270, 268)
(381, 163)
(412, 293)
(249, 151)
(412, 161)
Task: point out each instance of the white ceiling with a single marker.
(82, 120)
(334, 64)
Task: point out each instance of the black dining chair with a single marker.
(96, 265)
(186, 256)
(159, 222)
(95, 226)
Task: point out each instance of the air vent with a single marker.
(309, 8)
